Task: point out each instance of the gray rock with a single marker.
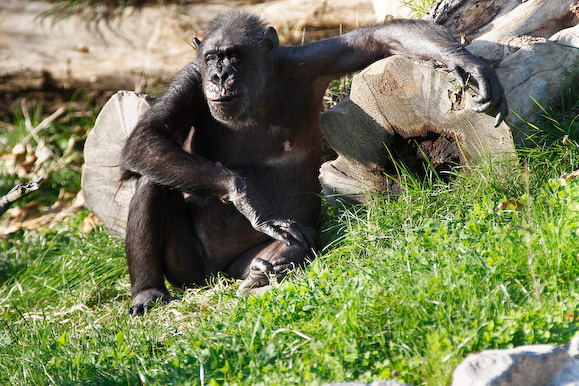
(521, 366)
(376, 383)
(569, 376)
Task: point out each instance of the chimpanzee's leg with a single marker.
(159, 243)
(272, 258)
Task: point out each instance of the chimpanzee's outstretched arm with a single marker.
(359, 48)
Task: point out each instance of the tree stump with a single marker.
(103, 191)
(405, 113)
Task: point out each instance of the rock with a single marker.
(569, 376)
(376, 383)
(536, 365)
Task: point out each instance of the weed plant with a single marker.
(418, 8)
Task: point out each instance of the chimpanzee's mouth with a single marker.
(226, 98)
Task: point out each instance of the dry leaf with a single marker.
(569, 176)
(511, 201)
(90, 222)
(24, 211)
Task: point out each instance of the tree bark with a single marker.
(489, 22)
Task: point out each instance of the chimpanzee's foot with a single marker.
(261, 273)
(143, 300)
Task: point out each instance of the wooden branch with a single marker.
(17, 193)
(35, 130)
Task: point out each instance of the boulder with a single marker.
(536, 365)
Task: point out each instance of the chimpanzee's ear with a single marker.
(270, 40)
(197, 43)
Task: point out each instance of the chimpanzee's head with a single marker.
(234, 57)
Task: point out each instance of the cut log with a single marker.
(490, 21)
(535, 75)
(533, 46)
(106, 196)
(404, 113)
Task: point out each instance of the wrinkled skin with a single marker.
(227, 160)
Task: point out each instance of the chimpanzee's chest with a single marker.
(244, 147)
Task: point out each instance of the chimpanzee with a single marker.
(227, 160)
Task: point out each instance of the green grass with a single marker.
(418, 7)
(405, 287)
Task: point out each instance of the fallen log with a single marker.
(406, 115)
(489, 22)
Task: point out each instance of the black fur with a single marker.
(228, 158)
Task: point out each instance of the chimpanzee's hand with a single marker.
(283, 229)
(252, 205)
(491, 97)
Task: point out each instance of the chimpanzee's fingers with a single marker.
(282, 266)
(261, 265)
(460, 76)
(309, 238)
(278, 234)
(312, 242)
(294, 230)
(289, 232)
(485, 91)
(491, 95)
(498, 103)
(503, 112)
(137, 310)
(482, 107)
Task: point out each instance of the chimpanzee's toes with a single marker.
(258, 279)
(137, 310)
(144, 299)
